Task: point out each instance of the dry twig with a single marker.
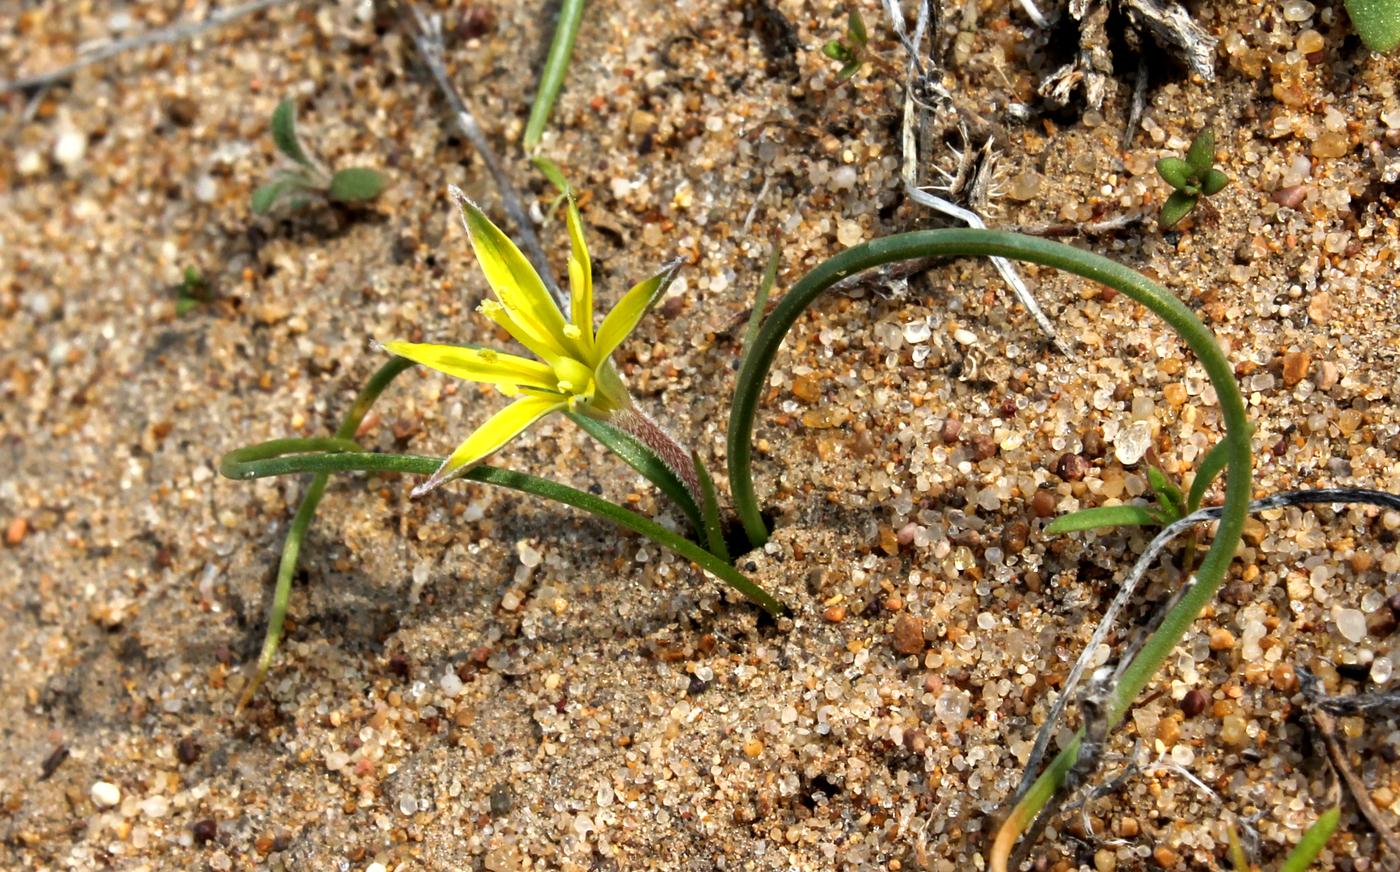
(161, 36)
(426, 31)
(1326, 725)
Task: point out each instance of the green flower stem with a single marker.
(561, 49)
(301, 521)
(643, 460)
(961, 242)
(324, 456)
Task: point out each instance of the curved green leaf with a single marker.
(1377, 22)
(714, 531)
(301, 455)
(1105, 516)
(284, 133)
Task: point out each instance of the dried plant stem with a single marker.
(161, 36)
(427, 37)
(1326, 724)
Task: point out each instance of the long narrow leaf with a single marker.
(284, 133)
(346, 461)
(1312, 842)
(760, 299)
(714, 532)
(1104, 516)
(1211, 465)
(561, 49)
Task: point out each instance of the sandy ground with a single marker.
(480, 680)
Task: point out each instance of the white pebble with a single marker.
(528, 555)
(106, 794)
(155, 806)
(917, 331)
(70, 148)
(1350, 623)
(376, 867)
(451, 685)
(849, 233)
(1132, 442)
(843, 178)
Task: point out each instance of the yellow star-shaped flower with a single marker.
(574, 369)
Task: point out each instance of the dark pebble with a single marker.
(1094, 446)
(205, 831)
(951, 428)
(983, 447)
(500, 800)
(1043, 504)
(1394, 604)
(187, 750)
(1014, 536)
(1381, 623)
(1071, 467)
(1193, 703)
(696, 686)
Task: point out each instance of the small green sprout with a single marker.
(851, 54)
(574, 371)
(308, 177)
(193, 291)
(1377, 22)
(1302, 855)
(1193, 178)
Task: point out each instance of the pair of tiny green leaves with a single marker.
(193, 291)
(1172, 503)
(1193, 178)
(307, 177)
(851, 55)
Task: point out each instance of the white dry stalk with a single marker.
(89, 55)
(910, 149)
(426, 31)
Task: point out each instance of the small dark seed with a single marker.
(1193, 703)
(206, 830)
(187, 750)
(1043, 504)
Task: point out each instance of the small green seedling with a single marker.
(851, 53)
(193, 291)
(1193, 178)
(1302, 855)
(308, 178)
(1377, 22)
(1172, 503)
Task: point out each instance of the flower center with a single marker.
(573, 376)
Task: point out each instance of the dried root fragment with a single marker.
(1169, 25)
